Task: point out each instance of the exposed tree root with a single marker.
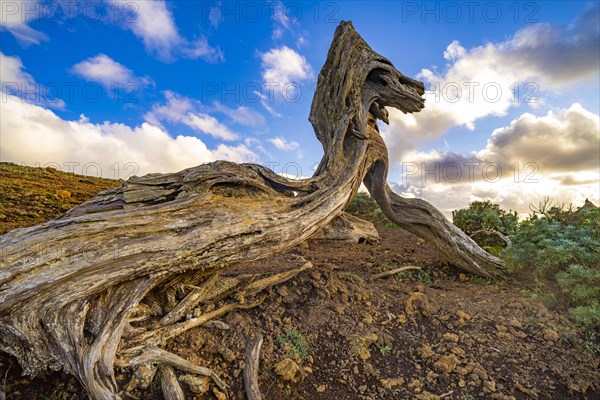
(128, 269)
(155, 355)
(251, 368)
(170, 386)
(197, 295)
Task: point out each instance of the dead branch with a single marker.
(251, 368)
(394, 271)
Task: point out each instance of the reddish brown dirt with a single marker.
(426, 334)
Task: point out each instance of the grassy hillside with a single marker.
(30, 196)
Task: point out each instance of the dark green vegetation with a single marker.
(363, 205)
(556, 247)
(485, 215)
(559, 247)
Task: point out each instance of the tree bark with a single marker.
(72, 289)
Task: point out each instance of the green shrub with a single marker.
(364, 205)
(385, 349)
(560, 246)
(297, 342)
(485, 215)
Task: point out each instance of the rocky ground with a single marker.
(333, 332)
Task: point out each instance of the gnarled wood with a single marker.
(71, 287)
(251, 368)
(349, 228)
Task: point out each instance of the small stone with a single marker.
(415, 385)
(461, 371)
(63, 194)
(504, 335)
(419, 303)
(550, 335)
(479, 372)
(389, 384)
(426, 352)
(289, 371)
(283, 291)
(321, 388)
(427, 396)
(446, 364)
(196, 384)
(218, 394)
(463, 315)
(362, 389)
(432, 376)
(459, 352)
(580, 386)
(143, 376)
(360, 344)
(521, 388)
(450, 337)
(515, 323)
(489, 385)
(223, 351)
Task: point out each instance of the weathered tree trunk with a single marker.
(80, 292)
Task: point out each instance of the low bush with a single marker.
(485, 215)
(560, 247)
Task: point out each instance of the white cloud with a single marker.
(178, 107)
(242, 115)
(106, 71)
(563, 140)
(282, 144)
(282, 20)
(192, 113)
(173, 110)
(12, 70)
(479, 82)
(556, 155)
(264, 101)
(154, 24)
(149, 20)
(283, 70)
(256, 144)
(214, 14)
(283, 66)
(15, 16)
(200, 48)
(32, 134)
(286, 21)
(15, 81)
(210, 125)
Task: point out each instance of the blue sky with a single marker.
(120, 87)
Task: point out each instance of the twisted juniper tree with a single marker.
(108, 283)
